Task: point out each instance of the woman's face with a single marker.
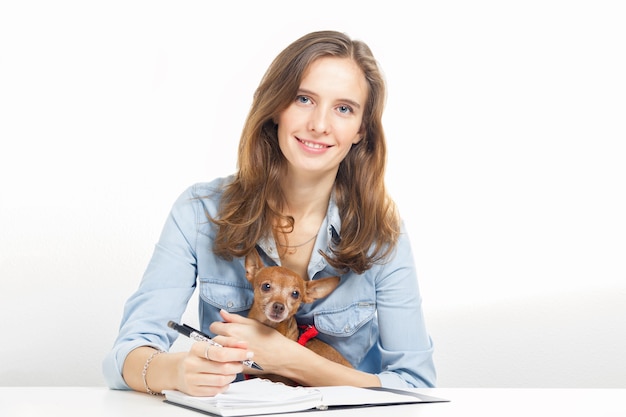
(317, 130)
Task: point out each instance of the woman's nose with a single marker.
(319, 122)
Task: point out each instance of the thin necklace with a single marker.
(296, 246)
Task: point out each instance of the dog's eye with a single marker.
(295, 295)
(265, 287)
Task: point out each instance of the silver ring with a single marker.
(206, 352)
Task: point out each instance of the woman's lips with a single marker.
(312, 145)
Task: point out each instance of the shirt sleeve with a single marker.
(405, 346)
(163, 293)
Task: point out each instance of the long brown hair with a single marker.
(251, 205)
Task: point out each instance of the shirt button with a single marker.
(346, 329)
(230, 304)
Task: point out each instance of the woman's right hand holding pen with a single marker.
(208, 370)
(204, 370)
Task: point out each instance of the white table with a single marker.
(483, 402)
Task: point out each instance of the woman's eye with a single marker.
(303, 99)
(265, 287)
(345, 109)
(295, 295)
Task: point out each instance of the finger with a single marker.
(235, 318)
(212, 371)
(232, 325)
(219, 354)
(232, 342)
(208, 385)
(230, 353)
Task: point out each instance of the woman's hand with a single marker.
(269, 346)
(208, 370)
(205, 370)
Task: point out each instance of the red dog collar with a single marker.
(308, 333)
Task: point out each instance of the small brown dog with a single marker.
(278, 293)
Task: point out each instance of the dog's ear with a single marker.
(319, 288)
(253, 264)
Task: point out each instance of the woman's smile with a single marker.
(312, 145)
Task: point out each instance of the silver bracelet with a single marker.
(145, 371)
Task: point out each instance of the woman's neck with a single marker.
(307, 198)
(307, 203)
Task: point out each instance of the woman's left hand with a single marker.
(264, 341)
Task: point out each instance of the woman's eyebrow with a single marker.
(355, 104)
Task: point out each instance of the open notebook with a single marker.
(260, 396)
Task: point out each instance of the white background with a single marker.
(506, 124)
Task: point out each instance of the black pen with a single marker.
(197, 335)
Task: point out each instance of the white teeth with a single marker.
(312, 145)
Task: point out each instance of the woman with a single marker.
(309, 194)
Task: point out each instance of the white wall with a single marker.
(506, 127)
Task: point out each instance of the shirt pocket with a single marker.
(345, 321)
(228, 295)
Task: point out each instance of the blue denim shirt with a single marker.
(374, 319)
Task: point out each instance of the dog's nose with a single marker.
(278, 308)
